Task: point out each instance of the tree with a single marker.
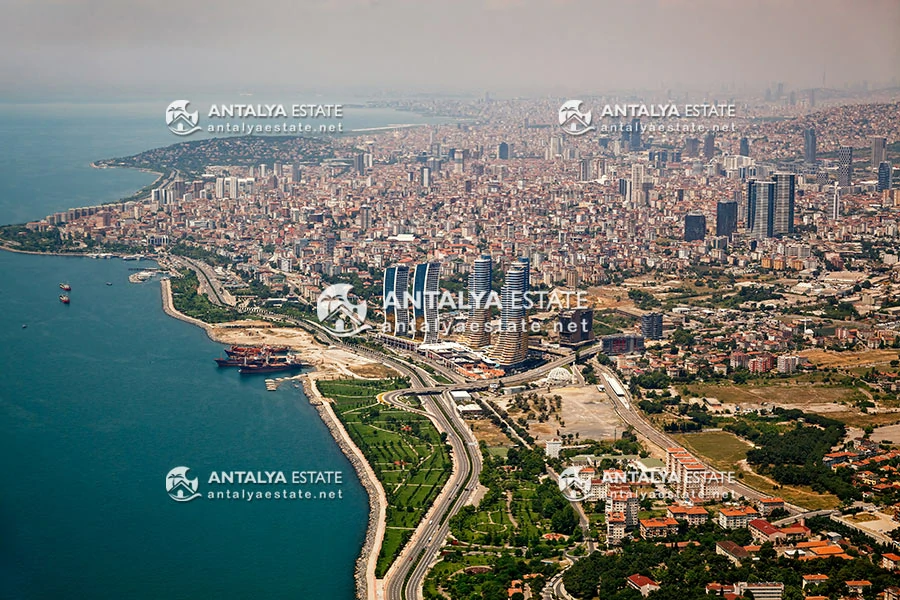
(564, 520)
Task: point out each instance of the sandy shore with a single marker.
(329, 362)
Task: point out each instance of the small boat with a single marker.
(109, 283)
(65, 287)
(24, 326)
(64, 299)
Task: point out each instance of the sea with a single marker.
(101, 398)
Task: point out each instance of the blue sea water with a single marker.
(101, 398)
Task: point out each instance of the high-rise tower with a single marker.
(477, 335)
(783, 207)
(809, 146)
(396, 309)
(426, 287)
(726, 218)
(845, 166)
(512, 343)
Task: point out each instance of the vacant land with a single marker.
(723, 450)
(490, 434)
(588, 412)
(889, 433)
(404, 449)
(847, 360)
(727, 452)
(798, 495)
(373, 371)
(855, 418)
(810, 396)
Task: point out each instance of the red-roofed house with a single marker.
(736, 518)
(814, 579)
(763, 531)
(643, 584)
(767, 505)
(858, 588)
(694, 515)
(733, 552)
(890, 561)
(658, 527)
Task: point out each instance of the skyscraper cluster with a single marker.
(424, 300)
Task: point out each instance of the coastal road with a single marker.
(412, 565)
(209, 282)
(405, 578)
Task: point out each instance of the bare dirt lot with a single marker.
(489, 433)
(808, 397)
(588, 412)
(330, 361)
(849, 360)
(889, 433)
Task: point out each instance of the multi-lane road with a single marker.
(404, 579)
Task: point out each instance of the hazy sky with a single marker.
(134, 47)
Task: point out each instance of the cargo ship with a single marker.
(64, 299)
(288, 363)
(243, 361)
(255, 350)
(65, 287)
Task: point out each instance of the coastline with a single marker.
(94, 165)
(364, 571)
(35, 253)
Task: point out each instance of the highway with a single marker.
(405, 578)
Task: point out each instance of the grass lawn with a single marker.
(447, 568)
(722, 450)
(404, 449)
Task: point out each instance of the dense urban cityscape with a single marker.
(723, 396)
